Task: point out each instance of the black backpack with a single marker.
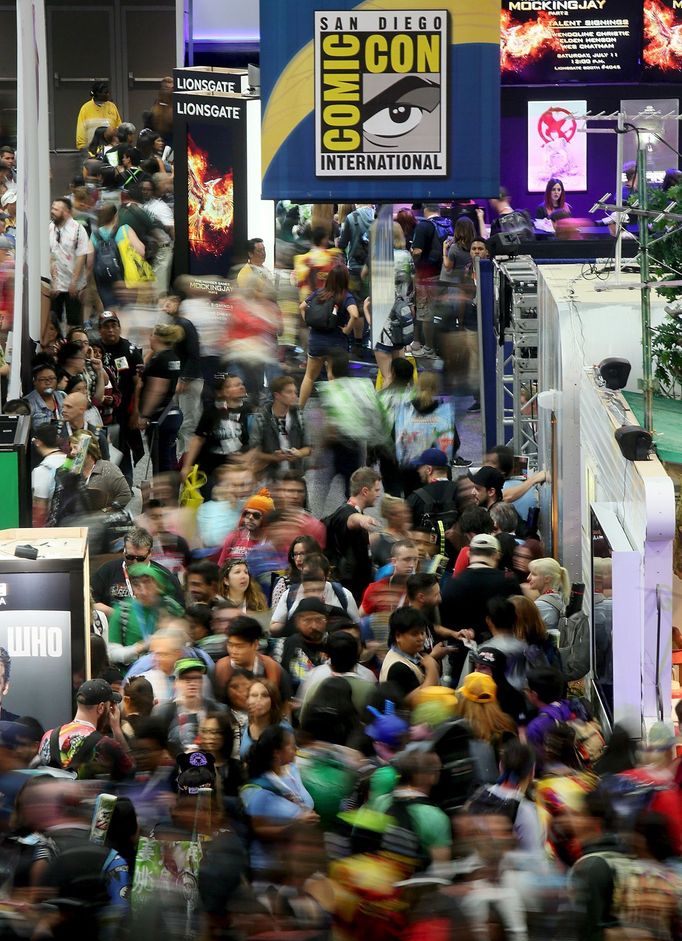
(401, 839)
(442, 231)
(484, 802)
(438, 514)
(108, 268)
(358, 247)
(321, 314)
(399, 329)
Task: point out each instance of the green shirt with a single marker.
(431, 825)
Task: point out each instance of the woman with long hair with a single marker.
(531, 629)
(477, 703)
(457, 250)
(264, 707)
(334, 298)
(300, 548)
(273, 800)
(219, 736)
(156, 414)
(240, 588)
(554, 205)
(552, 585)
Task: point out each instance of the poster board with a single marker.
(557, 144)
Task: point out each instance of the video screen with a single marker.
(215, 202)
(662, 51)
(600, 42)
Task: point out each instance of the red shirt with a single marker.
(382, 596)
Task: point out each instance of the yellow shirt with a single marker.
(91, 116)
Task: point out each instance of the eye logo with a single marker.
(381, 93)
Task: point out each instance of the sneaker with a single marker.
(474, 407)
(427, 351)
(421, 351)
(461, 462)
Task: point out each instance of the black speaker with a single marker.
(614, 372)
(634, 442)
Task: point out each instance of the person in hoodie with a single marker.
(547, 693)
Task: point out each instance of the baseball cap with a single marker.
(93, 692)
(488, 477)
(108, 316)
(485, 541)
(662, 736)
(311, 604)
(433, 457)
(478, 687)
(185, 664)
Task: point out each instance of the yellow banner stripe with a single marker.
(293, 97)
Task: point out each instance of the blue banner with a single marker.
(380, 99)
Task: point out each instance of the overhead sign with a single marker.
(360, 102)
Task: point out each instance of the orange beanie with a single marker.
(260, 501)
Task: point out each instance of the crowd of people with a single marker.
(308, 716)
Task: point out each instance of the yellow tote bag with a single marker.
(135, 269)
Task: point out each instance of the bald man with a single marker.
(74, 408)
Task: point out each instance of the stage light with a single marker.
(634, 442)
(615, 372)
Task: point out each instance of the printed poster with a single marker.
(557, 144)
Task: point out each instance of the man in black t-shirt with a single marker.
(348, 530)
(111, 583)
(465, 597)
(122, 359)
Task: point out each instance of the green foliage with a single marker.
(666, 348)
(667, 253)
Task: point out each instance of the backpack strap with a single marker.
(86, 751)
(55, 757)
(340, 594)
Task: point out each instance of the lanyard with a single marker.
(125, 575)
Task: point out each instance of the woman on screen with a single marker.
(554, 205)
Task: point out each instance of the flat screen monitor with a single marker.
(547, 42)
(662, 48)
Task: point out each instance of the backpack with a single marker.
(321, 314)
(82, 756)
(401, 839)
(399, 329)
(485, 803)
(338, 591)
(645, 896)
(442, 231)
(438, 514)
(358, 248)
(574, 645)
(339, 553)
(108, 268)
(629, 798)
(589, 739)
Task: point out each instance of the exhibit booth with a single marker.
(44, 622)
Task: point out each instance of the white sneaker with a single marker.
(420, 351)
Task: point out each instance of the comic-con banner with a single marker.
(209, 133)
(545, 42)
(360, 103)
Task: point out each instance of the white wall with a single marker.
(226, 20)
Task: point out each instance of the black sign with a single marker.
(555, 41)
